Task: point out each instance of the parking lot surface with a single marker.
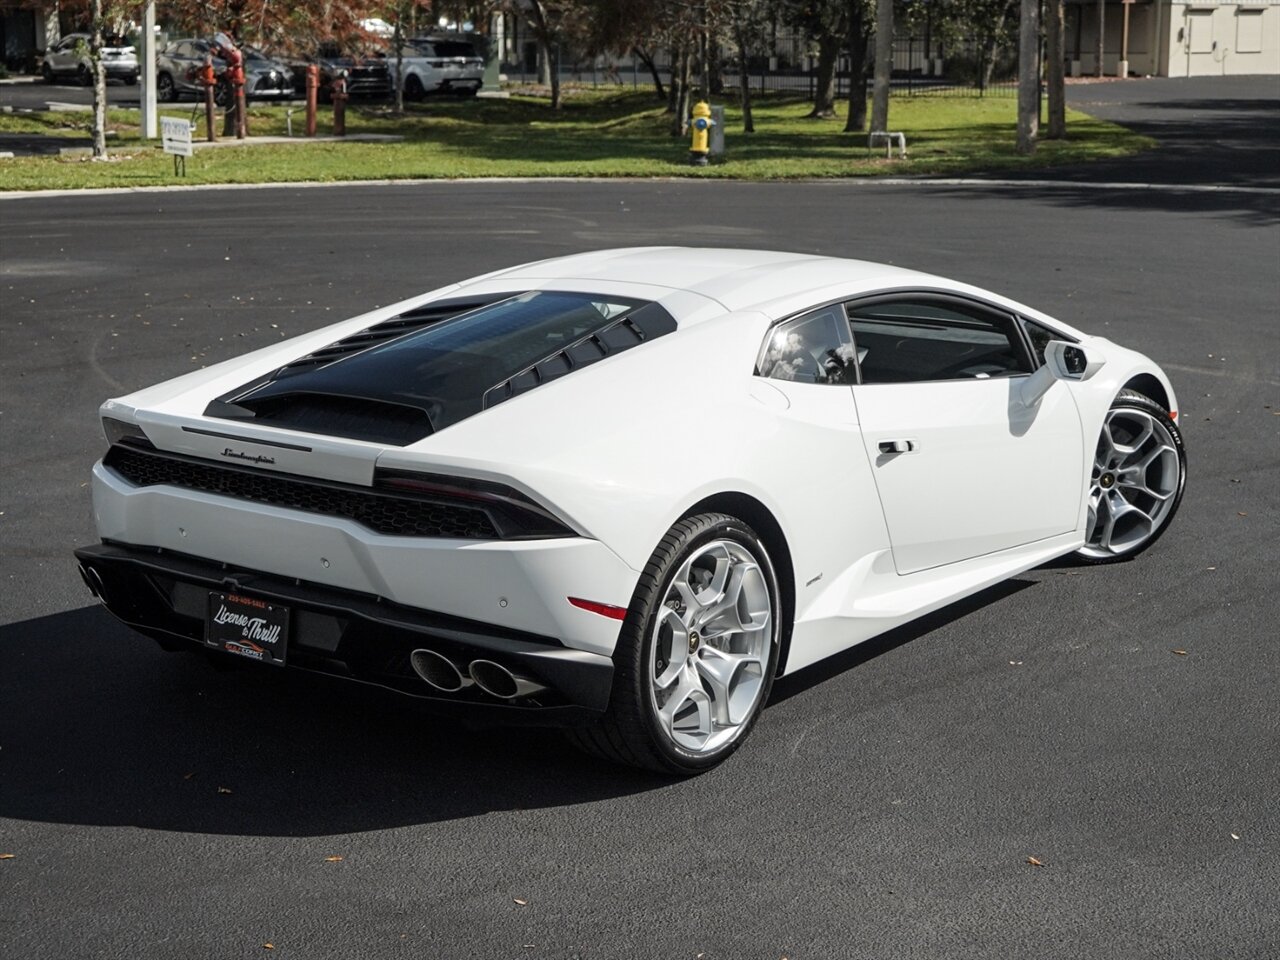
(1117, 724)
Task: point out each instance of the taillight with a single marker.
(121, 431)
(514, 515)
(595, 606)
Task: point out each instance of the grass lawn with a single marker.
(598, 133)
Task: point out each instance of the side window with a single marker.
(915, 339)
(1039, 337)
(814, 348)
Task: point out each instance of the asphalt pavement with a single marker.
(1117, 724)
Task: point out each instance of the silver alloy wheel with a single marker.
(1135, 480)
(711, 647)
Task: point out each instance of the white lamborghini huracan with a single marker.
(623, 491)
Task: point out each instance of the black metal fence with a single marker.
(968, 69)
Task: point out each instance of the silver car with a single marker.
(69, 57)
(178, 73)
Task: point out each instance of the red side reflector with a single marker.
(1173, 414)
(604, 609)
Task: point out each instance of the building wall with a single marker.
(1179, 39)
(1210, 40)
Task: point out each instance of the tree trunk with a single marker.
(744, 73)
(99, 82)
(704, 57)
(680, 122)
(857, 119)
(824, 90)
(544, 63)
(1102, 35)
(884, 65)
(1057, 54)
(398, 40)
(555, 77)
(1028, 77)
(673, 90)
(647, 59)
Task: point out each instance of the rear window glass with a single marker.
(453, 48)
(459, 366)
(514, 333)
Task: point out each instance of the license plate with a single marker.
(247, 627)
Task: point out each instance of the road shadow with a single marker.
(1249, 209)
(787, 687)
(98, 726)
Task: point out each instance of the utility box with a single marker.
(716, 144)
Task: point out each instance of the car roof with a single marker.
(737, 279)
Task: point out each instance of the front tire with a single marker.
(697, 652)
(1139, 473)
(413, 89)
(166, 92)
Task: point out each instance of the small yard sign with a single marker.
(175, 135)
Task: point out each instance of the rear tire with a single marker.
(1139, 474)
(166, 92)
(696, 654)
(46, 73)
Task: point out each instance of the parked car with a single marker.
(625, 490)
(367, 76)
(456, 64)
(69, 57)
(439, 65)
(178, 67)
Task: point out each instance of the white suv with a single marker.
(439, 65)
(69, 57)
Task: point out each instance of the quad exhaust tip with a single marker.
(438, 671)
(441, 673)
(93, 581)
(497, 681)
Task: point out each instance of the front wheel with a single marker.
(697, 652)
(1139, 472)
(166, 92)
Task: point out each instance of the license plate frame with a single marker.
(248, 627)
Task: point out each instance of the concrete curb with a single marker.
(865, 182)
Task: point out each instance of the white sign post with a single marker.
(175, 136)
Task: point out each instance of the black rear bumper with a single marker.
(350, 635)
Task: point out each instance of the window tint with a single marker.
(903, 341)
(814, 348)
(1039, 337)
(454, 48)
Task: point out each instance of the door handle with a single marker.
(897, 446)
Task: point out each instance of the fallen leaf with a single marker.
(1235, 836)
(1179, 653)
(522, 903)
(1211, 568)
(265, 946)
(7, 856)
(1241, 513)
(224, 789)
(1034, 862)
(333, 859)
(188, 776)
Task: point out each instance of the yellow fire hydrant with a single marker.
(700, 130)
